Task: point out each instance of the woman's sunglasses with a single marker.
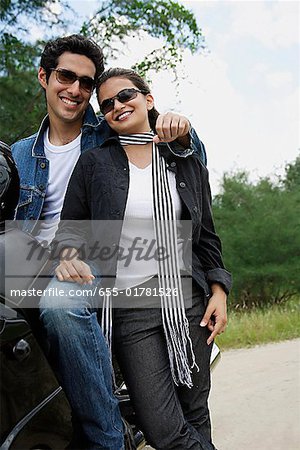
(123, 96)
(68, 77)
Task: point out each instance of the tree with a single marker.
(22, 106)
(13, 11)
(291, 181)
(116, 20)
(259, 225)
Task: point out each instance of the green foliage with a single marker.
(17, 56)
(260, 326)
(22, 104)
(11, 9)
(12, 13)
(259, 225)
(165, 19)
(292, 176)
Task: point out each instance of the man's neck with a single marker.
(63, 133)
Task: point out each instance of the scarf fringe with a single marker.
(175, 323)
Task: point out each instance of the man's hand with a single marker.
(72, 269)
(171, 126)
(215, 317)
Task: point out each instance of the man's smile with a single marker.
(70, 102)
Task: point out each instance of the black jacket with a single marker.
(98, 191)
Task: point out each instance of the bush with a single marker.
(259, 225)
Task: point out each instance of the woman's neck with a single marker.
(139, 155)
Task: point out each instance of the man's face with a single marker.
(67, 103)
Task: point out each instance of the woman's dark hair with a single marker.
(73, 44)
(136, 79)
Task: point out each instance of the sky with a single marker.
(242, 95)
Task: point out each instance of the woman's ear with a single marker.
(42, 77)
(150, 101)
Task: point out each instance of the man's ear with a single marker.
(42, 77)
(150, 101)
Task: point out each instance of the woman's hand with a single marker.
(215, 317)
(171, 126)
(72, 269)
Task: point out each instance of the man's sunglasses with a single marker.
(123, 96)
(68, 77)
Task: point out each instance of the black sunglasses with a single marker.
(68, 77)
(123, 96)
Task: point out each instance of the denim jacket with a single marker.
(33, 165)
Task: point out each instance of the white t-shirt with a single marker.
(138, 227)
(62, 160)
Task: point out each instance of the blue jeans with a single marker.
(80, 357)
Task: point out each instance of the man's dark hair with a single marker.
(73, 44)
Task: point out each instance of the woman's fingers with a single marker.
(215, 316)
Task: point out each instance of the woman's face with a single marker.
(131, 116)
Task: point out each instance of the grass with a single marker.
(260, 326)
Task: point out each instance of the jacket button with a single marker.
(41, 187)
(173, 164)
(182, 184)
(42, 165)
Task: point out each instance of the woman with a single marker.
(146, 192)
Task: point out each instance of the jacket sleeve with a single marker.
(209, 248)
(74, 227)
(196, 146)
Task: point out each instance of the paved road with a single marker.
(255, 399)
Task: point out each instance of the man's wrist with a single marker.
(184, 141)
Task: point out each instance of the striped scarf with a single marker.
(175, 323)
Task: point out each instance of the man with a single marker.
(68, 71)
(45, 160)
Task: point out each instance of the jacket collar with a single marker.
(90, 120)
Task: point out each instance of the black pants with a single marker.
(171, 417)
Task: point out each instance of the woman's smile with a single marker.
(130, 116)
(123, 116)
